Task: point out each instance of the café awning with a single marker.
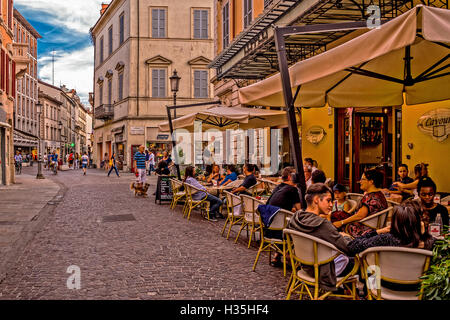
(222, 118)
(405, 57)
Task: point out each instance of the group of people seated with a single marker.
(329, 213)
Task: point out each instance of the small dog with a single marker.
(139, 190)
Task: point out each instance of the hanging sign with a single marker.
(315, 134)
(435, 123)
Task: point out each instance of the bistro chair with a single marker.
(354, 196)
(234, 211)
(257, 189)
(191, 204)
(353, 205)
(177, 194)
(375, 221)
(269, 186)
(251, 217)
(394, 265)
(279, 223)
(308, 250)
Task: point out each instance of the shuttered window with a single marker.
(100, 93)
(200, 24)
(158, 83)
(109, 91)
(101, 49)
(225, 25)
(110, 40)
(158, 23)
(200, 84)
(120, 86)
(121, 29)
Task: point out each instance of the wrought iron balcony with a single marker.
(104, 112)
(267, 3)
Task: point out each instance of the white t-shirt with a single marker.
(84, 159)
(151, 159)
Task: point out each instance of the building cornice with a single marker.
(26, 24)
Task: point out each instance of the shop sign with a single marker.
(435, 123)
(119, 137)
(162, 137)
(137, 130)
(315, 134)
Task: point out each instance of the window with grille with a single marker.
(248, 13)
(200, 84)
(158, 23)
(200, 24)
(159, 83)
(226, 25)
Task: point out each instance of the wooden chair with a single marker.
(375, 221)
(257, 189)
(234, 211)
(251, 217)
(279, 223)
(308, 250)
(395, 265)
(191, 204)
(177, 194)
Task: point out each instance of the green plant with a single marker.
(436, 282)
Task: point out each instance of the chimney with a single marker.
(104, 7)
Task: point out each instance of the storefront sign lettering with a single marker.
(435, 123)
(315, 134)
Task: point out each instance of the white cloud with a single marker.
(78, 15)
(72, 69)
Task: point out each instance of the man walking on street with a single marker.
(139, 165)
(151, 162)
(84, 162)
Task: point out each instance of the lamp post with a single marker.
(38, 111)
(61, 153)
(174, 86)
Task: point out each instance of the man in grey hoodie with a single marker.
(313, 221)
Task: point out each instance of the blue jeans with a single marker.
(151, 168)
(214, 204)
(113, 167)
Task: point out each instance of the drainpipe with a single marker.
(137, 65)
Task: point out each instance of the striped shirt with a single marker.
(140, 160)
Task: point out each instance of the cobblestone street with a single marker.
(160, 255)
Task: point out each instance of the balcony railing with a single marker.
(267, 3)
(103, 112)
(20, 56)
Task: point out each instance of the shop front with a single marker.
(158, 141)
(119, 146)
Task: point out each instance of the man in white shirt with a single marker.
(151, 162)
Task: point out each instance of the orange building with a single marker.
(13, 59)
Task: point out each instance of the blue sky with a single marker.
(64, 27)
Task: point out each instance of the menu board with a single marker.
(164, 188)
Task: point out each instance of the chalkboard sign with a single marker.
(164, 188)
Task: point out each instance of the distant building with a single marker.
(26, 128)
(138, 45)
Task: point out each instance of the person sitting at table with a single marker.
(215, 202)
(309, 162)
(318, 176)
(231, 175)
(308, 172)
(420, 170)
(404, 179)
(284, 196)
(249, 180)
(373, 201)
(427, 190)
(341, 206)
(215, 174)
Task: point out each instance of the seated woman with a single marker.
(230, 177)
(372, 202)
(215, 202)
(420, 171)
(406, 230)
(427, 190)
(215, 174)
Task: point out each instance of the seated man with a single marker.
(427, 190)
(284, 196)
(230, 177)
(318, 176)
(319, 202)
(248, 182)
(404, 179)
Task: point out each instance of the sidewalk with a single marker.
(23, 206)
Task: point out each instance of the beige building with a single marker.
(138, 45)
(50, 123)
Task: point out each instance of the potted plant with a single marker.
(436, 281)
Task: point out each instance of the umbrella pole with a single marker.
(169, 115)
(290, 112)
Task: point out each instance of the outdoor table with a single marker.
(395, 197)
(217, 190)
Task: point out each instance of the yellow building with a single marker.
(344, 142)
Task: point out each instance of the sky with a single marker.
(64, 26)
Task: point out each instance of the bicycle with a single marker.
(18, 166)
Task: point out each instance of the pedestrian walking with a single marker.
(112, 164)
(151, 162)
(76, 161)
(105, 162)
(139, 164)
(84, 163)
(45, 160)
(70, 160)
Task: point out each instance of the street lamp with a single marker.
(174, 86)
(38, 111)
(60, 142)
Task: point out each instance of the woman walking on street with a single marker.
(112, 163)
(84, 162)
